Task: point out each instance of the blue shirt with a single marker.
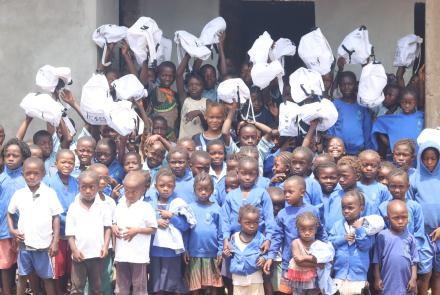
(268, 164)
(116, 171)
(331, 209)
(206, 238)
(375, 194)
(245, 262)
(185, 187)
(353, 126)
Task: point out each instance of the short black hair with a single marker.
(40, 134)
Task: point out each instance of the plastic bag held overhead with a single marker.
(44, 107)
(372, 81)
(95, 97)
(315, 52)
(108, 34)
(48, 77)
(407, 50)
(121, 117)
(129, 87)
(356, 47)
(259, 51)
(231, 89)
(188, 43)
(303, 83)
(212, 30)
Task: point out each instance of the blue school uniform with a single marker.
(66, 195)
(398, 127)
(116, 171)
(206, 238)
(353, 126)
(262, 182)
(152, 171)
(351, 262)
(268, 164)
(286, 232)
(331, 208)
(234, 200)
(244, 262)
(313, 190)
(395, 253)
(375, 194)
(219, 193)
(185, 187)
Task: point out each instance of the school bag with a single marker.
(305, 83)
(259, 51)
(233, 89)
(188, 43)
(281, 48)
(143, 37)
(212, 30)
(287, 117)
(372, 81)
(356, 47)
(44, 107)
(108, 34)
(121, 117)
(315, 52)
(95, 97)
(407, 50)
(263, 73)
(164, 50)
(324, 110)
(129, 87)
(49, 77)
(429, 134)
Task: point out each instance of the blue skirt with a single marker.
(167, 274)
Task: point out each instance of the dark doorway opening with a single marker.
(419, 30)
(248, 19)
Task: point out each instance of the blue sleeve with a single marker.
(179, 222)
(385, 195)
(378, 247)
(269, 222)
(226, 219)
(379, 126)
(363, 242)
(419, 226)
(277, 238)
(366, 128)
(219, 235)
(336, 239)
(414, 252)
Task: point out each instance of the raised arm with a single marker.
(226, 129)
(399, 76)
(180, 79)
(67, 97)
(125, 51)
(108, 57)
(221, 55)
(308, 139)
(21, 132)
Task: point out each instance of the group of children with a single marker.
(206, 201)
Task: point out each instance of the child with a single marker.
(36, 151)
(262, 115)
(66, 188)
(388, 129)
(133, 226)
(335, 147)
(354, 121)
(301, 274)
(251, 151)
(348, 172)
(247, 259)
(404, 153)
(131, 162)
(199, 161)
(216, 151)
(375, 193)
(178, 162)
(229, 183)
(161, 127)
(166, 273)
(14, 153)
(352, 246)
(43, 139)
(105, 153)
(205, 245)
(154, 156)
(215, 116)
(282, 166)
(232, 162)
(188, 144)
(385, 169)
(390, 105)
(38, 226)
(88, 229)
(395, 255)
(85, 152)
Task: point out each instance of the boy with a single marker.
(38, 226)
(133, 226)
(154, 156)
(43, 139)
(88, 225)
(85, 151)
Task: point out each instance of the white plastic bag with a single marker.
(95, 97)
(282, 47)
(212, 30)
(259, 51)
(263, 73)
(288, 115)
(121, 117)
(143, 37)
(129, 87)
(315, 52)
(108, 34)
(42, 106)
(325, 110)
(230, 89)
(303, 82)
(356, 47)
(47, 77)
(371, 84)
(190, 44)
(164, 50)
(408, 48)
(429, 134)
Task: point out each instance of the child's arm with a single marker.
(131, 232)
(269, 222)
(157, 137)
(15, 232)
(308, 139)
(120, 146)
(399, 76)
(180, 79)
(65, 134)
(221, 55)
(125, 51)
(363, 241)
(302, 260)
(378, 284)
(383, 142)
(226, 226)
(107, 236)
(412, 284)
(21, 132)
(76, 254)
(226, 129)
(67, 96)
(337, 239)
(108, 57)
(53, 248)
(219, 240)
(421, 87)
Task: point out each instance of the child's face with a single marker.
(232, 165)
(195, 88)
(247, 175)
(351, 208)
(104, 154)
(131, 163)
(199, 165)
(134, 190)
(13, 157)
(408, 104)
(210, 78)
(85, 150)
(104, 178)
(33, 174)
(403, 156)
(347, 177)
(46, 145)
(107, 132)
(257, 102)
(328, 81)
(36, 152)
(336, 148)
(88, 188)
(248, 136)
(398, 217)
(391, 97)
(398, 186)
(300, 164)
(294, 193)
(160, 127)
(382, 175)
(369, 166)
(166, 77)
(231, 183)
(307, 230)
(189, 146)
(347, 86)
(203, 191)
(279, 166)
(328, 179)
(155, 154)
(249, 223)
(178, 163)
(430, 159)
(215, 116)
(217, 154)
(65, 163)
(165, 186)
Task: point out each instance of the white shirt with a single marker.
(87, 226)
(216, 177)
(36, 213)
(138, 214)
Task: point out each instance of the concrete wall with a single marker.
(35, 33)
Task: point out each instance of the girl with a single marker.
(14, 153)
(404, 154)
(335, 147)
(216, 150)
(194, 105)
(251, 151)
(390, 105)
(105, 153)
(188, 144)
(282, 167)
(352, 246)
(385, 169)
(301, 273)
(205, 244)
(215, 116)
(131, 162)
(167, 248)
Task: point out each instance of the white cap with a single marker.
(356, 47)
(259, 51)
(95, 97)
(212, 30)
(48, 77)
(164, 50)
(121, 117)
(143, 37)
(373, 224)
(129, 87)
(190, 44)
(315, 52)
(109, 34)
(325, 110)
(263, 73)
(281, 48)
(287, 117)
(429, 134)
(408, 48)
(227, 91)
(371, 84)
(303, 82)
(42, 106)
